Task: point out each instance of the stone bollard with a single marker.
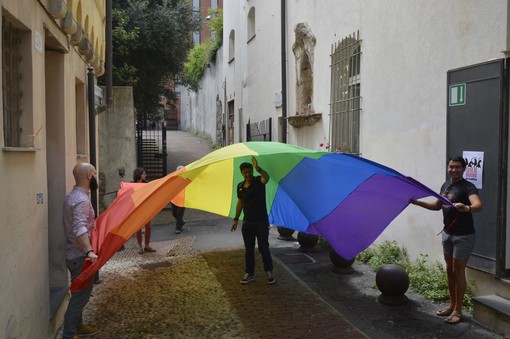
(285, 233)
(393, 282)
(307, 241)
(340, 264)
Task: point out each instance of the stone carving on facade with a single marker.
(219, 121)
(303, 49)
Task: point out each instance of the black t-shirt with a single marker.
(458, 223)
(254, 200)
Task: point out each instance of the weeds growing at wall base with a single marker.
(427, 279)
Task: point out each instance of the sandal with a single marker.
(140, 251)
(149, 249)
(454, 318)
(444, 312)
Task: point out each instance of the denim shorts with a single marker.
(458, 246)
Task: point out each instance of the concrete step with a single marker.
(493, 311)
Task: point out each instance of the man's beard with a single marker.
(93, 183)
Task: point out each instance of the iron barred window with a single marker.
(345, 94)
(11, 89)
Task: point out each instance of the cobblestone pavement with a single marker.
(288, 309)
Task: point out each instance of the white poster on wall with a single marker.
(474, 168)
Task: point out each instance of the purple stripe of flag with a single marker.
(366, 212)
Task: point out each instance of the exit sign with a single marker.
(457, 95)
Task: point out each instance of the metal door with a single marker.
(477, 121)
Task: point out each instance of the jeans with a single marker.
(260, 231)
(73, 317)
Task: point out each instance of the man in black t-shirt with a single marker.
(251, 194)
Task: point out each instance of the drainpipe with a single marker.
(225, 109)
(109, 55)
(92, 129)
(284, 70)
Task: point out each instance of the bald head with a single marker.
(82, 173)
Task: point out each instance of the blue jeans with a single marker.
(73, 317)
(260, 231)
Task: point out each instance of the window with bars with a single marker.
(11, 84)
(345, 105)
(231, 46)
(251, 24)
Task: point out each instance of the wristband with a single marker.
(236, 219)
(258, 168)
(87, 254)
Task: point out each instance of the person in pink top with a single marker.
(139, 175)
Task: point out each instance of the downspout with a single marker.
(92, 129)
(109, 55)
(225, 109)
(284, 69)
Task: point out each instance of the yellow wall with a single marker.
(34, 182)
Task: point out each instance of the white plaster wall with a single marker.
(117, 143)
(233, 20)
(254, 76)
(198, 109)
(407, 48)
(261, 76)
(404, 108)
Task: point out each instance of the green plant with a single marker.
(203, 54)
(323, 243)
(387, 252)
(194, 67)
(216, 24)
(151, 41)
(428, 280)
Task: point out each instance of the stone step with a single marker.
(493, 311)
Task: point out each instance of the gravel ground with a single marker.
(140, 298)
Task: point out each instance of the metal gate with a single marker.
(477, 119)
(151, 149)
(259, 131)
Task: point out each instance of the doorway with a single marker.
(477, 121)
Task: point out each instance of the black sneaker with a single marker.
(248, 278)
(86, 331)
(178, 227)
(270, 278)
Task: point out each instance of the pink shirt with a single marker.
(78, 218)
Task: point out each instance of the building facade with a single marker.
(373, 79)
(52, 53)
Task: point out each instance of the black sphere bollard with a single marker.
(393, 282)
(340, 264)
(285, 233)
(307, 241)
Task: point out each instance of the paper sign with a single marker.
(474, 168)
